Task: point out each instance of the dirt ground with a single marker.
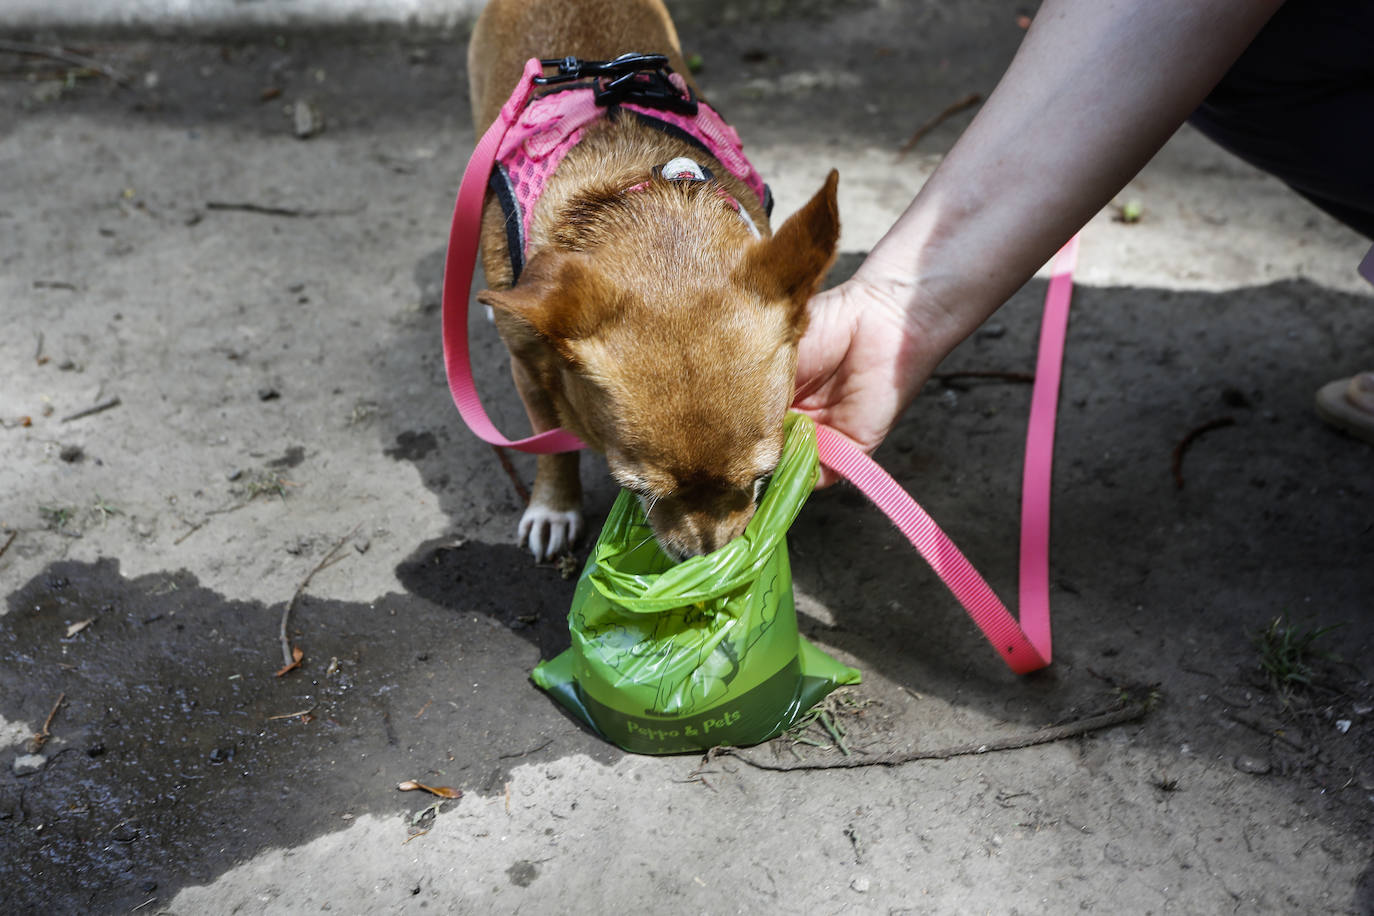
(257, 315)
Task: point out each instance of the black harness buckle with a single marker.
(639, 78)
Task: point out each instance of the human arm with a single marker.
(1095, 89)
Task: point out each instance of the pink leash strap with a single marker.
(1024, 646)
(458, 268)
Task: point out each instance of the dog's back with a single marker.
(510, 32)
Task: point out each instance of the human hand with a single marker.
(860, 362)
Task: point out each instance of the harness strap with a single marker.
(1024, 646)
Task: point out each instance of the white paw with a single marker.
(549, 532)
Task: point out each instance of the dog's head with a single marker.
(669, 337)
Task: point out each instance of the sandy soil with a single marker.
(264, 310)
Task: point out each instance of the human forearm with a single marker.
(1094, 91)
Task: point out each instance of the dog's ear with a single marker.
(791, 264)
(556, 296)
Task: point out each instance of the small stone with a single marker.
(72, 453)
(860, 884)
(1343, 725)
(307, 119)
(992, 331)
(1255, 766)
(268, 394)
(28, 764)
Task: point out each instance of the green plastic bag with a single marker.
(670, 657)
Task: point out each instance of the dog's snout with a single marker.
(685, 537)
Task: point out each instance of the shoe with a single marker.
(1348, 404)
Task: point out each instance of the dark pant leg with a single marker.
(1299, 104)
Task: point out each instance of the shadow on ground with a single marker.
(180, 754)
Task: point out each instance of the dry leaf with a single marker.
(73, 629)
(297, 653)
(411, 785)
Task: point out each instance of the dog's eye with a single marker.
(761, 486)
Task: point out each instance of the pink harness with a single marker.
(550, 125)
(1024, 646)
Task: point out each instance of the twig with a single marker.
(265, 210)
(66, 57)
(288, 657)
(895, 758)
(194, 528)
(1024, 377)
(1188, 440)
(98, 408)
(47, 723)
(37, 741)
(533, 750)
(968, 101)
(509, 468)
(291, 715)
(8, 541)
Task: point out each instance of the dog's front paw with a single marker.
(549, 532)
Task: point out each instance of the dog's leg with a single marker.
(552, 522)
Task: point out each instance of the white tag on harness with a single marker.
(684, 169)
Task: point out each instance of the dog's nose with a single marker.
(715, 538)
(680, 550)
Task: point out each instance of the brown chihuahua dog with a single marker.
(655, 318)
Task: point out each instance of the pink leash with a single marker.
(462, 257)
(1024, 646)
